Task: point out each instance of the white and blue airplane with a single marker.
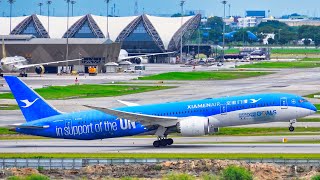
(190, 118)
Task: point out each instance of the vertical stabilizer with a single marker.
(32, 105)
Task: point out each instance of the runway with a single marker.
(144, 145)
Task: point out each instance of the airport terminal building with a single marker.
(97, 39)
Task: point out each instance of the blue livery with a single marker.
(190, 118)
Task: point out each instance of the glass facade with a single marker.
(84, 32)
(31, 30)
(139, 41)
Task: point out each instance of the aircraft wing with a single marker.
(41, 64)
(144, 119)
(128, 103)
(146, 55)
(28, 127)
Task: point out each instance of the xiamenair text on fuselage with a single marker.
(190, 118)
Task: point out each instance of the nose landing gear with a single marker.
(291, 128)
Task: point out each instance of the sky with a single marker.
(126, 7)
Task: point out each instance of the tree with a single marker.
(306, 42)
(215, 23)
(176, 15)
(271, 41)
(316, 39)
(286, 36)
(241, 36)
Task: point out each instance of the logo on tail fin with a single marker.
(28, 103)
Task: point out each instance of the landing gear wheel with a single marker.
(291, 128)
(156, 144)
(169, 141)
(163, 142)
(1, 75)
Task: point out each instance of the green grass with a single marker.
(203, 75)
(232, 51)
(244, 131)
(161, 155)
(309, 120)
(5, 131)
(294, 64)
(295, 51)
(9, 107)
(89, 91)
(310, 59)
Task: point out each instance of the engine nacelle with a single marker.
(195, 126)
(137, 60)
(40, 69)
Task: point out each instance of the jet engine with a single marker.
(137, 60)
(40, 69)
(196, 126)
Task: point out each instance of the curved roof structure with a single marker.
(165, 32)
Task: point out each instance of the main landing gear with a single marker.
(23, 73)
(291, 128)
(162, 138)
(163, 142)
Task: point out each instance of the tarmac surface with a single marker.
(144, 145)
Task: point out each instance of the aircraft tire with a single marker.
(169, 141)
(163, 142)
(156, 144)
(291, 128)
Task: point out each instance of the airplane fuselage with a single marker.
(221, 112)
(12, 64)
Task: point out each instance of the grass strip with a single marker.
(310, 59)
(89, 91)
(6, 107)
(309, 120)
(244, 131)
(184, 76)
(160, 155)
(294, 51)
(294, 64)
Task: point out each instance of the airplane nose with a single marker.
(313, 108)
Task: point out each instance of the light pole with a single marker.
(11, 2)
(181, 44)
(40, 5)
(279, 36)
(72, 3)
(107, 1)
(224, 27)
(67, 54)
(49, 3)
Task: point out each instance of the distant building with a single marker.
(256, 14)
(194, 12)
(136, 34)
(247, 22)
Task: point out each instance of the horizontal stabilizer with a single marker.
(28, 127)
(144, 119)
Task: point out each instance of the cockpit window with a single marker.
(303, 100)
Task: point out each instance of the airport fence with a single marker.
(79, 163)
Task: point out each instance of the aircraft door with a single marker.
(223, 109)
(284, 103)
(68, 123)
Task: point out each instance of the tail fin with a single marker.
(32, 105)
(4, 54)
